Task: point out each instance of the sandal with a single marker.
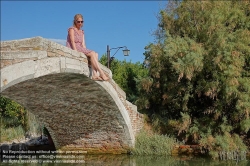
(97, 78)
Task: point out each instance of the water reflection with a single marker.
(121, 160)
(184, 160)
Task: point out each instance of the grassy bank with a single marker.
(154, 144)
(9, 134)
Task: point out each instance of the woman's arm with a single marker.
(83, 41)
(72, 38)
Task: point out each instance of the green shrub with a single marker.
(13, 113)
(153, 144)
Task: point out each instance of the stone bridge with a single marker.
(53, 82)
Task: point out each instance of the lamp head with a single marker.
(126, 52)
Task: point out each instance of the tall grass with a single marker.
(9, 134)
(9, 131)
(33, 127)
(153, 144)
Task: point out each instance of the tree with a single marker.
(126, 75)
(198, 87)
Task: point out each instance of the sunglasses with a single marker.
(79, 21)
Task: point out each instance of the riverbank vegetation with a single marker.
(13, 120)
(154, 144)
(198, 83)
(149, 142)
(16, 121)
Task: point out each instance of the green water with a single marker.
(118, 160)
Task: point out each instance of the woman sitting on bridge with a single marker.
(76, 41)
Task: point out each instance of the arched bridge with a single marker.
(52, 81)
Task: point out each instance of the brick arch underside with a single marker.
(77, 111)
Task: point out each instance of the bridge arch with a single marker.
(52, 81)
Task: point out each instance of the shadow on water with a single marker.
(122, 160)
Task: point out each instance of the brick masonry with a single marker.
(52, 81)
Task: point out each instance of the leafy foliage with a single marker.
(13, 120)
(16, 121)
(126, 75)
(199, 71)
(13, 113)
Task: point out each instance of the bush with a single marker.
(153, 144)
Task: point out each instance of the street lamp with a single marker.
(125, 53)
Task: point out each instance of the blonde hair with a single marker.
(76, 18)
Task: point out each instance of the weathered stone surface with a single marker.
(52, 81)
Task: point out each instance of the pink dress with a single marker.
(78, 37)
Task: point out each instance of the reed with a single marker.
(153, 144)
(9, 134)
(33, 127)
(10, 131)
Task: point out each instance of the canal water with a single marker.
(115, 160)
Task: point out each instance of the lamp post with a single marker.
(125, 53)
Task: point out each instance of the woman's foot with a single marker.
(104, 77)
(97, 78)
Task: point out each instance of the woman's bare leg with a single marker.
(95, 65)
(94, 71)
